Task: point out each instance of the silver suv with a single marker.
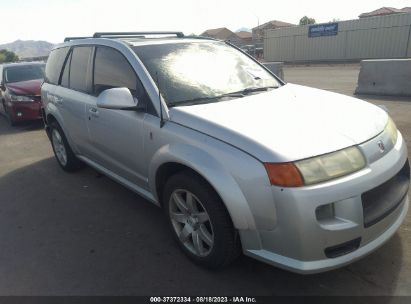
(300, 178)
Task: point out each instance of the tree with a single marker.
(8, 56)
(307, 20)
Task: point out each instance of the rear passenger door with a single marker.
(74, 93)
(116, 136)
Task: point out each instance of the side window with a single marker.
(112, 70)
(54, 64)
(66, 73)
(78, 78)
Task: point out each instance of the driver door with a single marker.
(116, 137)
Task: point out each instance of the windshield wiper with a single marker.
(201, 100)
(208, 99)
(256, 89)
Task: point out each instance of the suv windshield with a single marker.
(24, 72)
(198, 72)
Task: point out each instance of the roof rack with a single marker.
(74, 38)
(133, 34)
(203, 37)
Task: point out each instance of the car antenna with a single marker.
(161, 106)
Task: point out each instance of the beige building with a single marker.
(223, 33)
(246, 37)
(258, 31)
(383, 11)
(387, 36)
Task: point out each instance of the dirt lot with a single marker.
(83, 234)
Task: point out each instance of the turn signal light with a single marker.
(284, 174)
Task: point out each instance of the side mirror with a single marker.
(118, 99)
(2, 86)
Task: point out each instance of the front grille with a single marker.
(381, 201)
(36, 97)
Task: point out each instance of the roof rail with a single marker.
(203, 37)
(133, 34)
(74, 38)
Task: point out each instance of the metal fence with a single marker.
(366, 38)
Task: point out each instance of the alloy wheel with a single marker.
(191, 222)
(59, 148)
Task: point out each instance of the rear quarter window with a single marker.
(54, 64)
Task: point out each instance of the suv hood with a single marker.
(29, 87)
(286, 124)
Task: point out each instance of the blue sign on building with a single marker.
(318, 30)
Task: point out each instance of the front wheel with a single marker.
(64, 155)
(199, 221)
(9, 117)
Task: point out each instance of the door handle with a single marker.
(94, 112)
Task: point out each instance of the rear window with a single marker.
(54, 64)
(23, 72)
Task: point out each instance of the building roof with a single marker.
(222, 33)
(244, 35)
(273, 24)
(386, 11)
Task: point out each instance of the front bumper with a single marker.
(23, 111)
(310, 267)
(301, 241)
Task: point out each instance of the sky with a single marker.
(52, 20)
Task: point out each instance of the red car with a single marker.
(20, 91)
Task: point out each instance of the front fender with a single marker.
(210, 169)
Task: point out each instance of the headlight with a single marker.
(316, 169)
(391, 129)
(20, 98)
(322, 168)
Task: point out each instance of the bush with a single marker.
(8, 56)
(307, 20)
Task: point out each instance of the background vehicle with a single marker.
(20, 90)
(233, 155)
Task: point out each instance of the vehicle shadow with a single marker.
(83, 234)
(24, 126)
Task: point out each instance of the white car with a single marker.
(300, 178)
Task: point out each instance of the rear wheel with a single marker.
(62, 151)
(199, 221)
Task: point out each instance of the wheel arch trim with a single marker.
(52, 111)
(212, 171)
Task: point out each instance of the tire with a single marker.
(10, 119)
(64, 154)
(213, 243)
